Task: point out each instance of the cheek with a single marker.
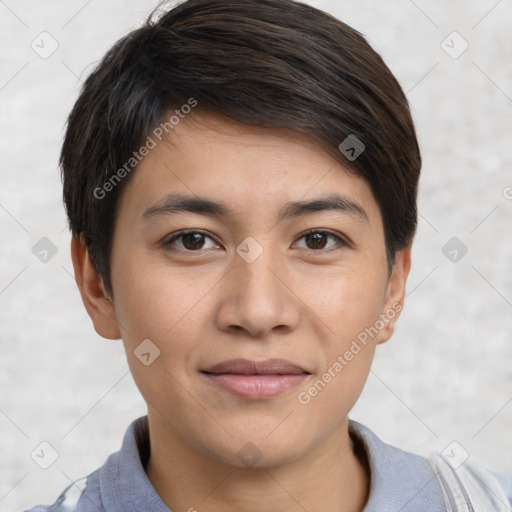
(346, 302)
(332, 394)
(153, 306)
(167, 308)
(348, 305)
(155, 301)
(349, 311)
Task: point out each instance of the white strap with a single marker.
(468, 488)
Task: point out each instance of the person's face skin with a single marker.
(303, 299)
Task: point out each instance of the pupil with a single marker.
(316, 239)
(193, 241)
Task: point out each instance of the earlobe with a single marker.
(395, 295)
(97, 301)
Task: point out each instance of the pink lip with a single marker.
(256, 379)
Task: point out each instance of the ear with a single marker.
(395, 294)
(97, 301)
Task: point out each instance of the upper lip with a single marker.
(265, 367)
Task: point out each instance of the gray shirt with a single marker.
(400, 481)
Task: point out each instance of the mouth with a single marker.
(255, 380)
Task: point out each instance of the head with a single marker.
(279, 140)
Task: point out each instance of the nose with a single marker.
(258, 297)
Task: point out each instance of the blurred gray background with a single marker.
(445, 376)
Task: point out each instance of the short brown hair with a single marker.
(270, 63)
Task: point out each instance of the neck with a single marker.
(333, 477)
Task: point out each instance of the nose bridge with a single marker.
(259, 301)
(258, 279)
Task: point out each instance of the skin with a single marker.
(298, 301)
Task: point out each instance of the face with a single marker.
(285, 260)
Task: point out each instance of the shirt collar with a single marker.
(123, 481)
(399, 481)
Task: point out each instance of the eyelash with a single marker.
(340, 240)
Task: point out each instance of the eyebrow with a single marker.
(178, 203)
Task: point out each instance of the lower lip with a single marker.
(256, 386)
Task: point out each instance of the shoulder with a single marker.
(399, 480)
(408, 482)
(80, 496)
(113, 484)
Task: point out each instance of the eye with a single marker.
(318, 239)
(190, 241)
(196, 240)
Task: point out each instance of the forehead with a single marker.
(254, 169)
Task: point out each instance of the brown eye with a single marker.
(190, 241)
(318, 240)
(193, 241)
